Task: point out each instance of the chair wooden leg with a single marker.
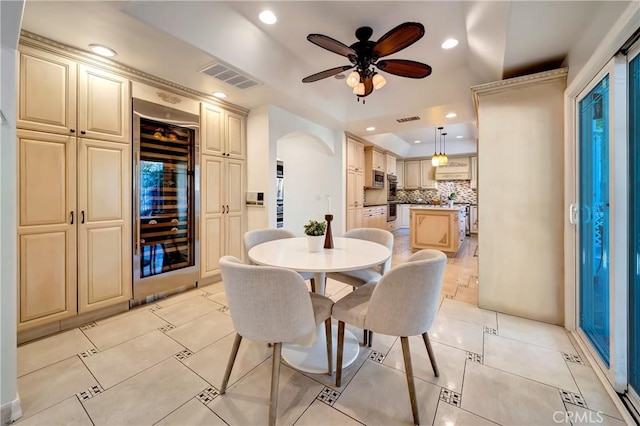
(232, 360)
(313, 284)
(365, 337)
(370, 339)
(432, 357)
(409, 369)
(275, 379)
(340, 349)
(327, 332)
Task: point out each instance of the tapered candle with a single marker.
(328, 204)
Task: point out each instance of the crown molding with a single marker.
(42, 43)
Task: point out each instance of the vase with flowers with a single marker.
(451, 197)
(314, 231)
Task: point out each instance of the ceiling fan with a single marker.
(365, 55)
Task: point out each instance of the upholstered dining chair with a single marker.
(271, 305)
(259, 236)
(403, 303)
(373, 274)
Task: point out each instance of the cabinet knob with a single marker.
(83, 132)
(72, 130)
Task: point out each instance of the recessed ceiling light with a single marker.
(416, 141)
(102, 50)
(449, 43)
(458, 137)
(268, 17)
(370, 129)
(220, 95)
(451, 115)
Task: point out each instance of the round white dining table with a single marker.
(348, 254)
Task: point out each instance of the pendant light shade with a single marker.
(434, 160)
(444, 160)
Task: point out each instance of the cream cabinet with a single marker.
(474, 172)
(223, 132)
(400, 174)
(427, 175)
(74, 226)
(412, 175)
(436, 229)
(391, 164)
(58, 95)
(375, 217)
(373, 160)
(355, 183)
(403, 215)
(355, 155)
(473, 219)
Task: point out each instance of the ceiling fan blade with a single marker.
(402, 36)
(404, 68)
(368, 87)
(326, 73)
(330, 44)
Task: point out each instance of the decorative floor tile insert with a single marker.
(328, 396)
(448, 296)
(155, 308)
(207, 395)
(167, 327)
(490, 330)
(573, 398)
(223, 309)
(450, 397)
(205, 294)
(183, 354)
(88, 353)
(88, 325)
(474, 357)
(572, 358)
(376, 356)
(89, 393)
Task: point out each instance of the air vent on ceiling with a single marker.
(229, 75)
(404, 120)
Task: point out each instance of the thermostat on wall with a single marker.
(255, 198)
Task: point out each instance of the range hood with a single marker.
(458, 168)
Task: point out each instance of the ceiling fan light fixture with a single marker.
(379, 81)
(268, 17)
(449, 43)
(359, 89)
(353, 79)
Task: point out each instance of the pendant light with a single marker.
(444, 160)
(434, 159)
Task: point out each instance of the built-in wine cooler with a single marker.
(165, 200)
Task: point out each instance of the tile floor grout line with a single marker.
(185, 403)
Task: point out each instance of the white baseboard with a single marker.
(11, 411)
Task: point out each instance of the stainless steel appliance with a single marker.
(377, 179)
(166, 200)
(392, 211)
(279, 194)
(392, 188)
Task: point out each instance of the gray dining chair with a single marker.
(403, 303)
(271, 305)
(370, 275)
(259, 236)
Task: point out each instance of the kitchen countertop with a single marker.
(374, 205)
(430, 207)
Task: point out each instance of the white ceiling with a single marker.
(175, 39)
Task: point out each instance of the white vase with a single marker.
(315, 243)
(450, 204)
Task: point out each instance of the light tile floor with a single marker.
(163, 364)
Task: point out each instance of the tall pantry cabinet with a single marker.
(74, 188)
(222, 177)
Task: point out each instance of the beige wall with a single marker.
(520, 196)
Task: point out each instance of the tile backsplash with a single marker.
(462, 188)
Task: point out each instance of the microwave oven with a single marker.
(377, 179)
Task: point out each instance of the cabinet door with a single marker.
(234, 194)
(351, 189)
(104, 228)
(47, 92)
(474, 219)
(359, 156)
(359, 190)
(236, 136)
(428, 175)
(474, 172)
(212, 130)
(412, 174)
(378, 161)
(400, 174)
(104, 105)
(391, 165)
(359, 217)
(212, 207)
(433, 231)
(351, 154)
(46, 234)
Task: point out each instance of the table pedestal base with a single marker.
(313, 359)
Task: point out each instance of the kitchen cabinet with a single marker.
(473, 219)
(58, 95)
(435, 228)
(391, 165)
(412, 174)
(403, 215)
(375, 217)
(427, 175)
(400, 174)
(474, 172)
(223, 132)
(373, 159)
(355, 183)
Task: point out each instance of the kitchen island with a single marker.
(435, 227)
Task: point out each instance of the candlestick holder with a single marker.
(328, 237)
